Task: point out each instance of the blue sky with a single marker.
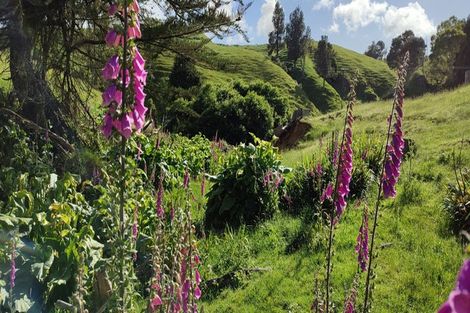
(354, 23)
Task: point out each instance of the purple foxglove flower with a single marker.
(186, 179)
(112, 94)
(113, 8)
(139, 95)
(319, 169)
(124, 126)
(459, 298)
(107, 127)
(160, 211)
(111, 69)
(327, 193)
(155, 303)
(135, 6)
(113, 38)
(134, 30)
(197, 293)
(362, 242)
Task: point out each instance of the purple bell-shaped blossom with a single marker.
(362, 242)
(111, 69)
(112, 94)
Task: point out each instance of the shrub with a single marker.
(457, 203)
(247, 188)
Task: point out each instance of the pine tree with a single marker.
(277, 35)
(325, 58)
(297, 36)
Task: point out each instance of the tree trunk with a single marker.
(37, 101)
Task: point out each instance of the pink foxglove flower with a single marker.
(113, 38)
(112, 94)
(113, 9)
(124, 125)
(107, 128)
(459, 298)
(327, 193)
(350, 303)
(155, 303)
(134, 30)
(135, 6)
(111, 69)
(345, 163)
(395, 147)
(362, 242)
(186, 179)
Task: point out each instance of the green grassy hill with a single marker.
(306, 88)
(416, 270)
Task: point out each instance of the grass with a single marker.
(222, 63)
(415, 272)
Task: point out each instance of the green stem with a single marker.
(123, 171)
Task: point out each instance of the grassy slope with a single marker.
(251, 63)
(415, 273)
(377, 74)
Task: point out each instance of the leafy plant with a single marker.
(247, 188)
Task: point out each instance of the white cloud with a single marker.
(393, 20)
(323, 4)
(359, 13)
(413, 16)
(265, 23)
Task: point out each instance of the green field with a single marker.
(416, 271)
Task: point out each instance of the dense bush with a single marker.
(234, 116)
(247, 189)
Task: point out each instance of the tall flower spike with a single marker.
(160, 211)
(129, 117)
(362, 242)
(345, 163)
(350, 303)
(395, 147)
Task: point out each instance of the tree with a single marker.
(277, 35)
(297, 36)
(445, 46)
(325, 58)
(184, 74)
(407, 42)
(462, 59)
(376, 50)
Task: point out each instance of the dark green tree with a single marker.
(325, 58)
(445, 46)
(376, 50)
(407, 42)
(277, 35)
(462, 59)
(184, 74)
(297, 36)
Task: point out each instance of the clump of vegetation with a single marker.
(457, 201)
(247, 188)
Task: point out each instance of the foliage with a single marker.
(325, 58)
(457, 200)
(246, 190)
(407, 42)
(445, 45)
(297, 36)
(184, 74)
(277, 35)
(376, 50)
(462, 59)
